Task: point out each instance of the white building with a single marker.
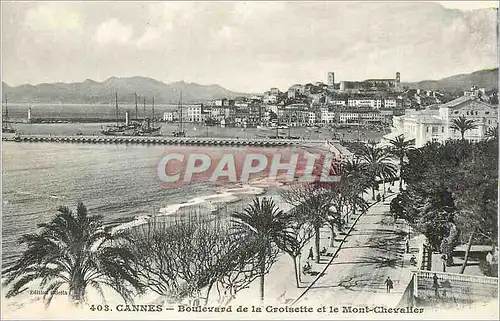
(434, 124)
(348, 117)
(168, 116)
(390, 103)
(327, 115)
(194, 113)
(273, 108)
(311, 119)
(364, 102)
(337, 102)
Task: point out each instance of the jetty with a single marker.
(160, 140)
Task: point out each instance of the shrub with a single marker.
(488, 269)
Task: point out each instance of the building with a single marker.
(327, 115)
(390, 103)
(365, 102)
(274, 91)
(331, 79)
(270, 99)
(372, 85)
(194, 113)
(475, 91)
(311, 118)
(434, 124)
(336, 101)
(168, 116)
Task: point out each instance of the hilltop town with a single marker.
(346, 103)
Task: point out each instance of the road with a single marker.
(373, 251)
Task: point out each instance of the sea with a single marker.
(19, 111)
(116, 181)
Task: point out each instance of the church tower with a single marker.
(331, 79)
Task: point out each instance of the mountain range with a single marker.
(90, 91)
(486, 78)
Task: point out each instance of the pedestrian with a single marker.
(435, 284)
(311, 254)
(389, 285)
(407, 246)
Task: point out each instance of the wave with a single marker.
(225, 196)
(40, 195)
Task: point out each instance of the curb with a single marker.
(338, 249)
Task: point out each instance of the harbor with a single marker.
(159, 140)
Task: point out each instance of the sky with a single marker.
(245, 46)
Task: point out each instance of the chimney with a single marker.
(127, 122)
(29, 115)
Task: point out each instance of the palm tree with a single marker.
(378, 164)
(492, 133)
(313, 200)
(463, 124)
(400, 148)
(355, 170)
(265, 224)
(75, 250)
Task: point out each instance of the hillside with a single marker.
(487, 79)
(90, 91)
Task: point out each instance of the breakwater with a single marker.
(160, 140)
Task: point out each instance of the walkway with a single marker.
(374, 250)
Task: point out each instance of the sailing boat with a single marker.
(6, 126)
(117, 129)
(148, 126)
(180, 132)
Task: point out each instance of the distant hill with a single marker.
(487, 79)
(90, 91)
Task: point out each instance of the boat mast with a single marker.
(153, 112)
(180, 107)
(135, 94)
(6, 110)
(116, 104)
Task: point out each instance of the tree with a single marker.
(314, 200)
(153, 245)
(463, 124)
(266, 225)
(400, 148)
(452, 193)
(184, 256)
(378, 164)
(302, 231)
(492, 133)
(199, 251)
(494, 99)
(77, 251)
(242, 265)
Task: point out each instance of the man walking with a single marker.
(311, 254)
(389, 285)
(435, 284)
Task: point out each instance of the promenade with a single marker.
(372, 249)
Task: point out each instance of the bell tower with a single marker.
(397, 82)
(331, 79)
